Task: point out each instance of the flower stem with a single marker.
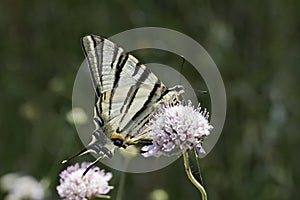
(122, 182)
(191, 177)
(121, 186)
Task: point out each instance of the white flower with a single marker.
(75, 186)
(22, 187)
(178, 127)
(77, 116)
(159, 194)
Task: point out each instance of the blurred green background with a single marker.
(255, 44)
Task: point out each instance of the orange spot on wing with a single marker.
(116, 136)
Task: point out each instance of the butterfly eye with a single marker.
(118, 142)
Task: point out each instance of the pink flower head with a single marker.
(178, 127)
(75, 186)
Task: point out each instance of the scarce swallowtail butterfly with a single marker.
(127, 95)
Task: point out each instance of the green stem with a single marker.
(121, 186)
(191, 177)
(122, 182)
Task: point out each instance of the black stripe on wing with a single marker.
(121, 63)
(141, 124)
(132, 91)
(147, 110)
(99, 56)
(129, 97)
(137, 68)
(91, 53)
(115, 53)
(131, 94)
(97, 116)
(143, 108)
(152, 93)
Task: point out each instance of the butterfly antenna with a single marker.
(83, 151)
(92, 165)
(181, 68)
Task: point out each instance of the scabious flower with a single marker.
(22, 187)
(177, 127)
(75, 186)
